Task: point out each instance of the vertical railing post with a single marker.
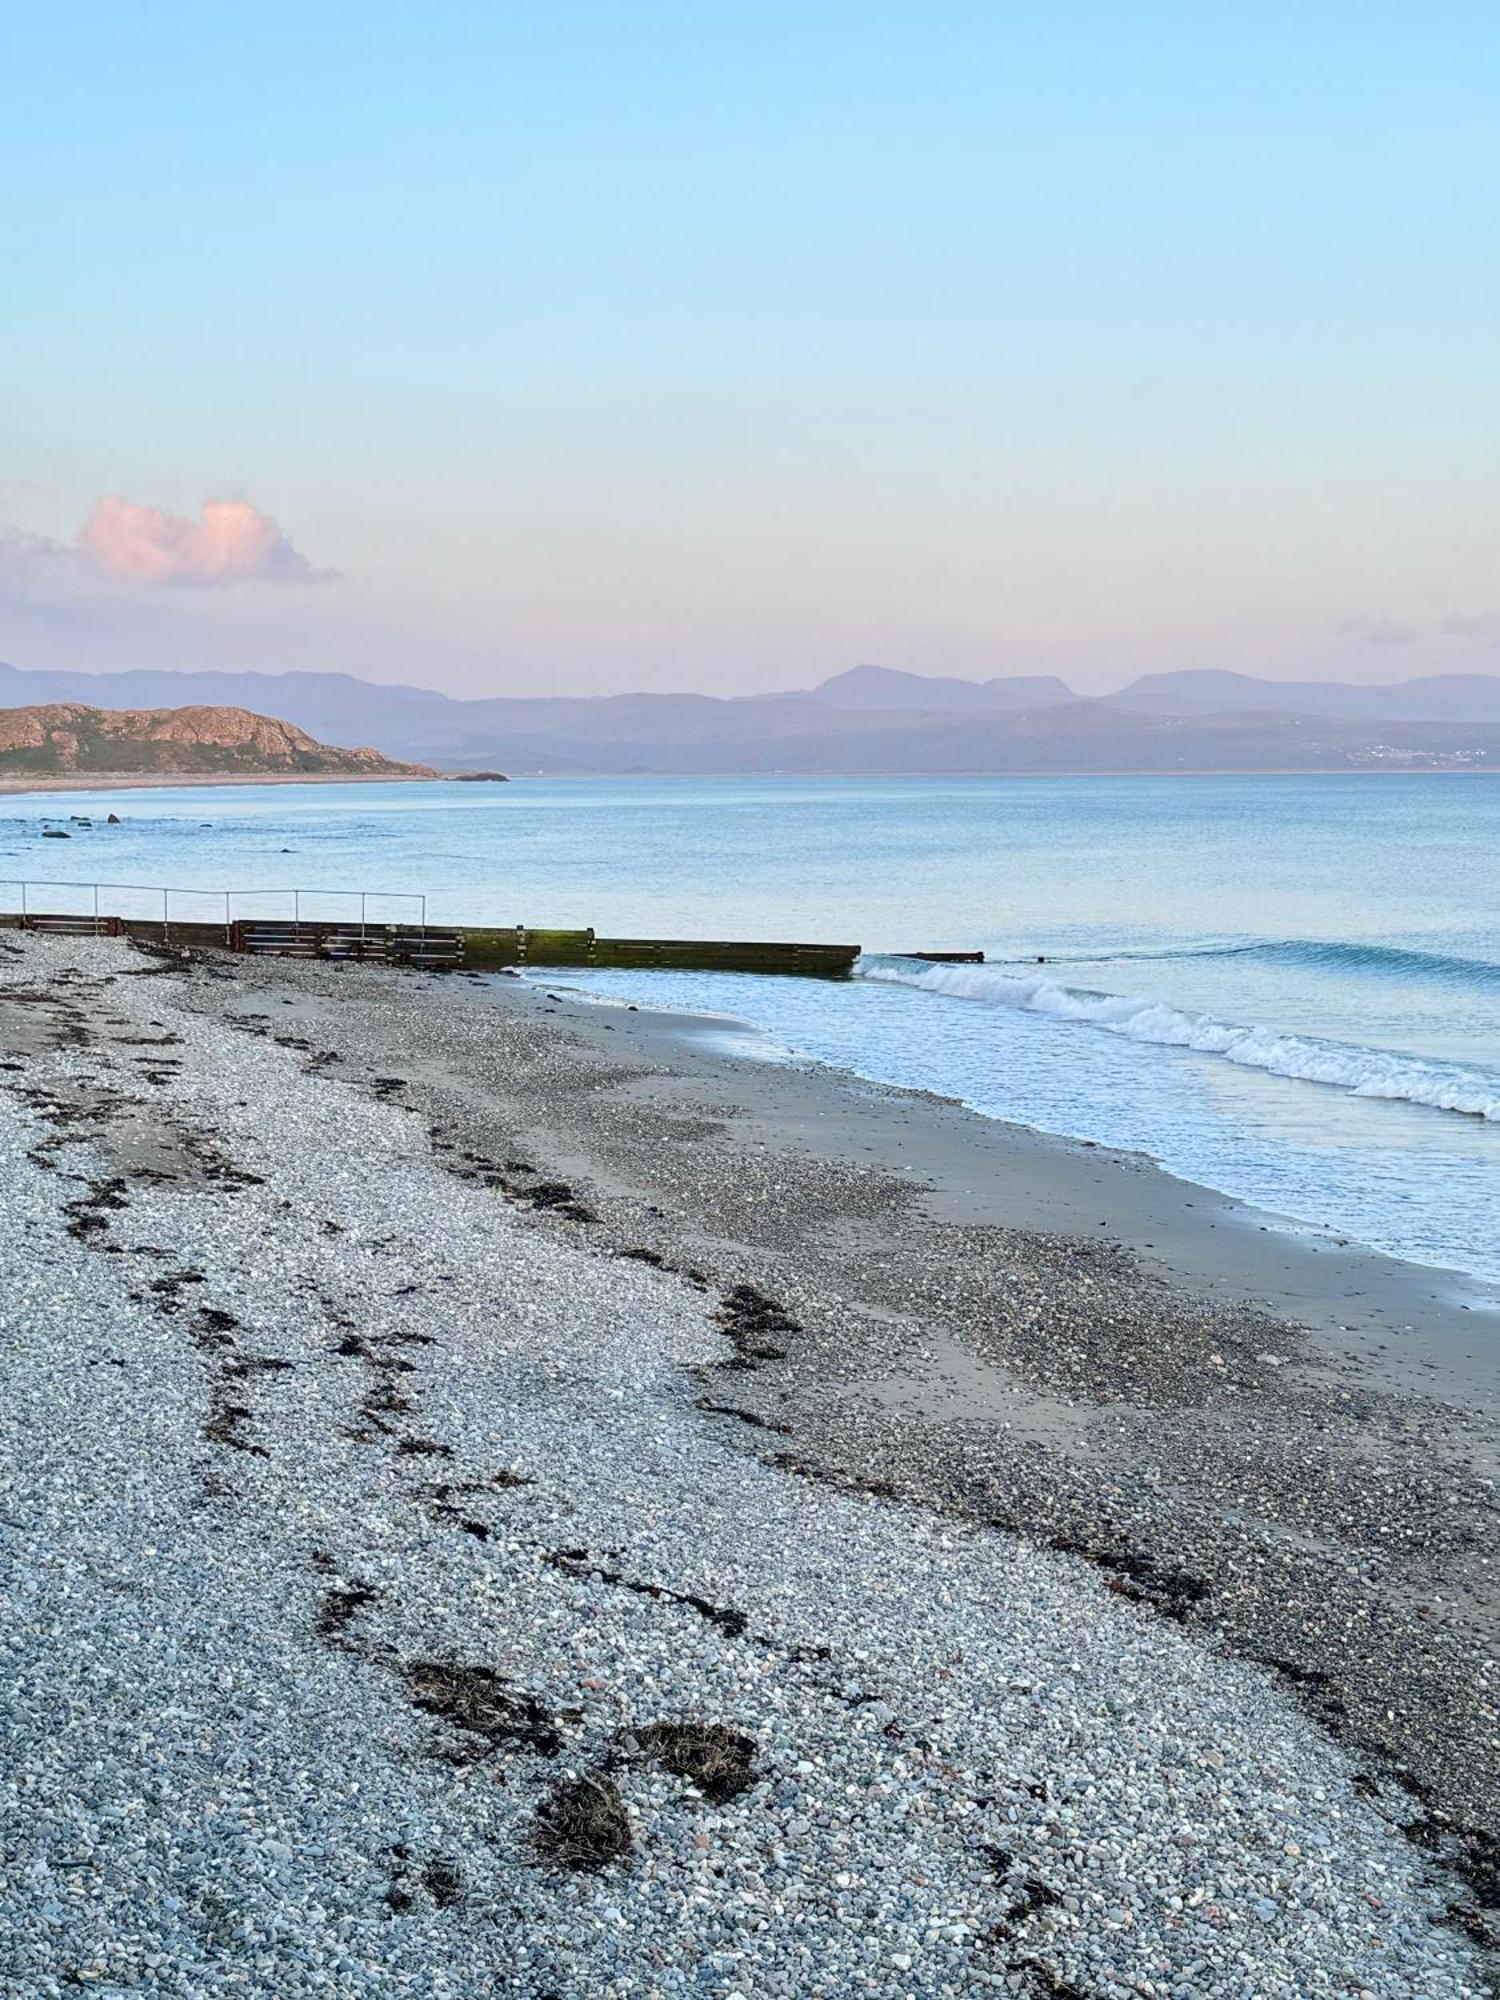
(96, 909)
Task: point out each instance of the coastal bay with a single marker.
(748, 1214)
(1097, 1571)
(1284, 1033)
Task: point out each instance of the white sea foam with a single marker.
(1363, 1071)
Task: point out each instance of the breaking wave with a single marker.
(1333, 955)
(1362, 1071)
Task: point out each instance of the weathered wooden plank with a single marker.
(482, 946)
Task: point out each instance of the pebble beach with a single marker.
(462, 1535)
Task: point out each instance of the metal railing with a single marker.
(26, 897)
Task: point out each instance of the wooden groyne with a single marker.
(282, 924)
(476, 947)
(481, 948)
(522, 946)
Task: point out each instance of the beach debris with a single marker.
(720, 1761)
(750, 1318)
(582, 1823)
(1035, 1896)
(88, 1213)
(442, 1881)
(752, 1417)
(553, 1196)
(423, 1447)
(558, 1198)
(256, 1364)
(442, 1500)
(340, 1608)
(1142, 1579)
(495, 1482)
(170, 1284)
(842, 1482)
(481, 1702)
(226, 1424)
(576, 1562)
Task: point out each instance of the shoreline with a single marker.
(1052, 1182)
(969, 1471)
(19, 785)
(183, 781)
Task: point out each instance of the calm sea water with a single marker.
(1285, 988)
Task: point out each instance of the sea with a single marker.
(1284, 988)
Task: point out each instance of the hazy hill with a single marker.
(1436, 698)
(874, 720)
(67, 737)
(890, 688)
(332, 707)
(792, 735)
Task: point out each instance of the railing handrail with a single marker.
(187, 889)
(30, 886)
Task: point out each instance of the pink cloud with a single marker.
(232, 543)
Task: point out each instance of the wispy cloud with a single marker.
(1483, 627)
(33, 566)
(1379, 631)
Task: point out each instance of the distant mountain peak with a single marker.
(868, 720)
(871, 688)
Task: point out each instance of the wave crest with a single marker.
(1363, 1072)
(1322, 954)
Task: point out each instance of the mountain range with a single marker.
(867, 721)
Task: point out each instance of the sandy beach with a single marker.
(511, 1495)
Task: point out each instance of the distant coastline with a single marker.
(125, 781)
(134, 781)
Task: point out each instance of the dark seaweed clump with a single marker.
(718, 1760)
(582, 1823)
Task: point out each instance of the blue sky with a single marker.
(595, 347)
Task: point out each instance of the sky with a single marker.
(512, 348)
